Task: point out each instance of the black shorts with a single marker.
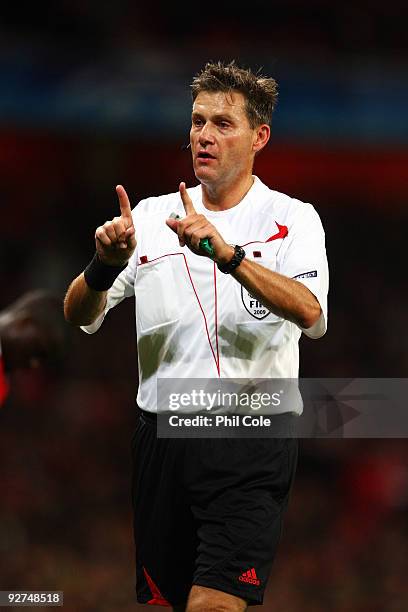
(207, 512)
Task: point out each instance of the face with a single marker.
(222, 141)
(24, 345)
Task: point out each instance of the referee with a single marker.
(226, 275)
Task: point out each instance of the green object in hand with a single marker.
(205, 244)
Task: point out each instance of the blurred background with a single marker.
(93, 94)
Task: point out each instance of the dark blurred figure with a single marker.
(33, 334)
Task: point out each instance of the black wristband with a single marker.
(233, 263)
(100, 276)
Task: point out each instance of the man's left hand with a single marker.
(195, 227)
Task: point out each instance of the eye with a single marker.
(197, 121)
(223, 124)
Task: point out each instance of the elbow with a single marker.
(82, 306)
(70, 318)
(77, 317)
(76, 321)
(69, 315)
(69, 310)
(310, 316)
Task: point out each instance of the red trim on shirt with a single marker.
(160, 257)
(282, 233)
(216, 317)
(205, 318)
(216, 358)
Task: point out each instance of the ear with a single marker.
(261, 137)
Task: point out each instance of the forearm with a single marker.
(82, 305)
(285, 297)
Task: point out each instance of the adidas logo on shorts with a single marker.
(250, 577)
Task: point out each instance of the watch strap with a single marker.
(233, 263)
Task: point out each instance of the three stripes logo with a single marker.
(250, 577)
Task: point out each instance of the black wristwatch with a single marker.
(233, 263)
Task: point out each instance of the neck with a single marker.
(224, 196)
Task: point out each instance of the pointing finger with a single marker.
(187, 202)
(124, 203)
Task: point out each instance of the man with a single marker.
(208, 512)
(33, 334)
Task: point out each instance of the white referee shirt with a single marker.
(193, 321)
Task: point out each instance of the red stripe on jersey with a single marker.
(282, 233)
(216, 358)
(216, 317)
(205, 318)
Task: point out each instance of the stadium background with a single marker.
(94, 94)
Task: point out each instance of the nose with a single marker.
(206, 135)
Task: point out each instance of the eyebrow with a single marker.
(217, 116)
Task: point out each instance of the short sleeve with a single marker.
(304, 259)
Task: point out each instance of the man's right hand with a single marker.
(115, 240)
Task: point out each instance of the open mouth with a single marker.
(205, 155)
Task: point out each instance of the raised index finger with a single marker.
(187, 202)
(124, 203)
